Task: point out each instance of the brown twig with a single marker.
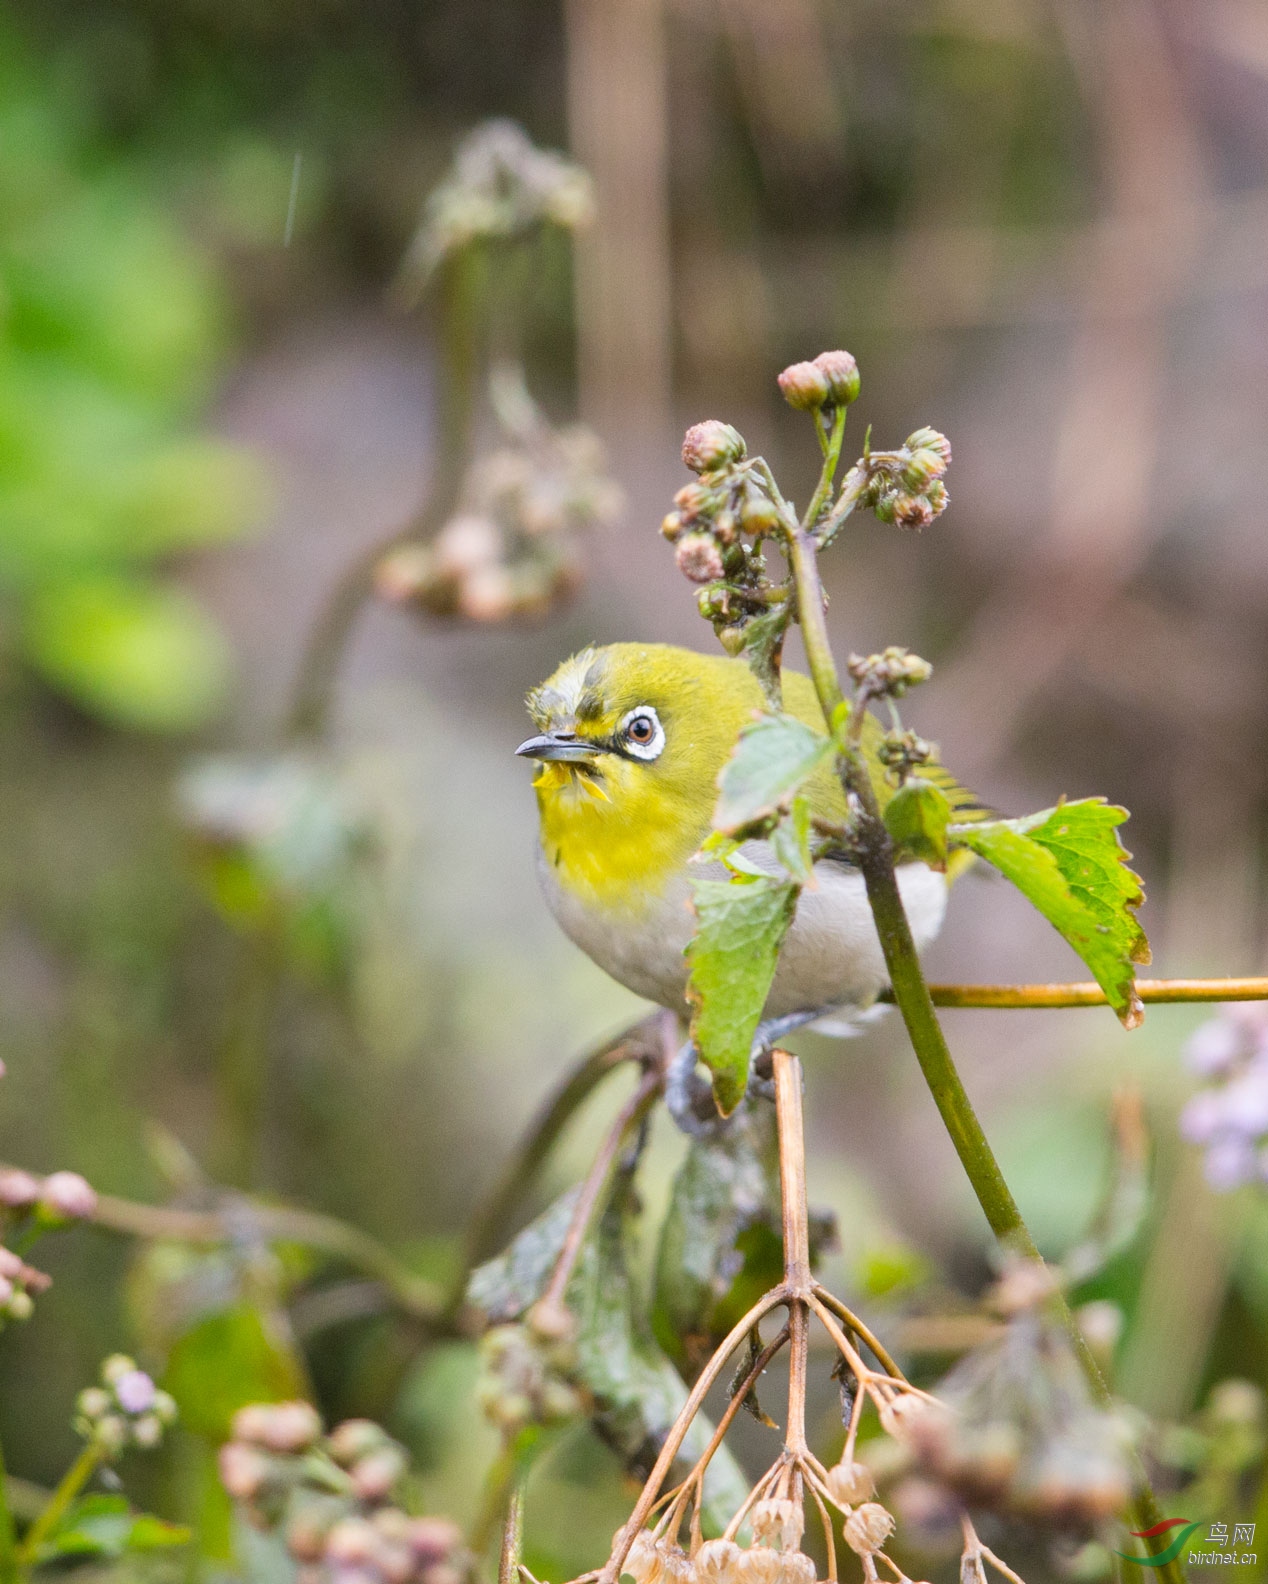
(1085, 994)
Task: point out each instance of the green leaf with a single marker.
(505, 1286)
(134, 652)
(240, 1355)
(637, 1391)
(773, 758)
(741, 924)
(105, 1526)
(790, 841)
(1069, 862)
(916, 818)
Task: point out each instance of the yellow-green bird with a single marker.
(631, 740)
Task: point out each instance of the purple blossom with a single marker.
(1229, 1116)
(135, 1392)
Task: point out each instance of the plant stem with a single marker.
(8, 1534)
(489, 1224)
(828, 473)
(72, 1482)
(512, 1537)
(911, 993)
(1085, 994)
(242, 1062)
(796, 1224)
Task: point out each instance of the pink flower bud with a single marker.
(374, 1476)
(487, 594)
(135, 1392)
(841, 374)
(698, 558)
(291, 1427)
(353, 1542)
(18, 1188)
(66, 1196)
(11, 1265)
(711, 445)
(804, 386)
(244, 1470)
(354, 1439)
(434, 1539)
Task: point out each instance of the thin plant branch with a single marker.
(1085, 994)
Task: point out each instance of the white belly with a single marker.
(831, 956)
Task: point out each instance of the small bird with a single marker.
(631, 740)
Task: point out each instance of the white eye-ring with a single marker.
(642, 733)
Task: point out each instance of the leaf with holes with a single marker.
(1069, 862)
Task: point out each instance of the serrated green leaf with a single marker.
(1069, 862)
(505, 1286)
(772, 759)
(637, 1392)
(741, 925)
(917, 817)
(790, 840)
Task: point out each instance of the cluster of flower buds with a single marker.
(330, 1498)
(903, 486)
(1015, 1428)
(887, 675)
(18, 1281)
(53, 1201)
(514, 548)
(501, 186)
(1229, 1117)
(829, 381)
(901, 752)
(728, 499)
(126, 1410)
(528, 1373)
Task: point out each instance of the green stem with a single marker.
(72, 1482)
(8, 1533)
(911, 992)
(828, 473)
(243, 1060)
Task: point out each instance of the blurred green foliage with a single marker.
(113, 327)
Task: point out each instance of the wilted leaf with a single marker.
(725, 1186)
(637, 1392)
(1069, 862)
(505, 1286)
(917, 817)
(741, 925)
(773, 758)
(105, 1526)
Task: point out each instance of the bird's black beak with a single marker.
(555, 747)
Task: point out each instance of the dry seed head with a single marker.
(779, 1523)
(717, 1562)
(903, 1417)
(760, 1565)
(804, 386)
(675, 1563)
(850, 1483)
(867, 1528)
(798, 1568)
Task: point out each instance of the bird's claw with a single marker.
(689, 1094)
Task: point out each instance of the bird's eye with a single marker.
(643, 733)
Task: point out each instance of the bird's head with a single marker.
(630, 740)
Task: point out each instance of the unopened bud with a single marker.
(867, 1528)
(20, 1306)
(135, 1392)
(930, 440)
(487, 594)
(147, 1432)
(354, 1439)
(732, 640)
(692, 500)
(551, 1322)
(778, 1523)
(92, 1402)
(352, 1542)
(699, 558)
(465, 544)
(758, 515)
(804, 386)
(111, 1434)
(889, 673)
(671, 525)
(717, 1562)
(116, 1367)
(66, 1196)
(713, 604)
(937, 497)
(434, 1539)
(244, 1470)
(306, 1533)
(711, 445)
(850, 1483)
(374, 1476)
(922, 468)
(841, 373)
(18, 1189)
(11, 1265)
